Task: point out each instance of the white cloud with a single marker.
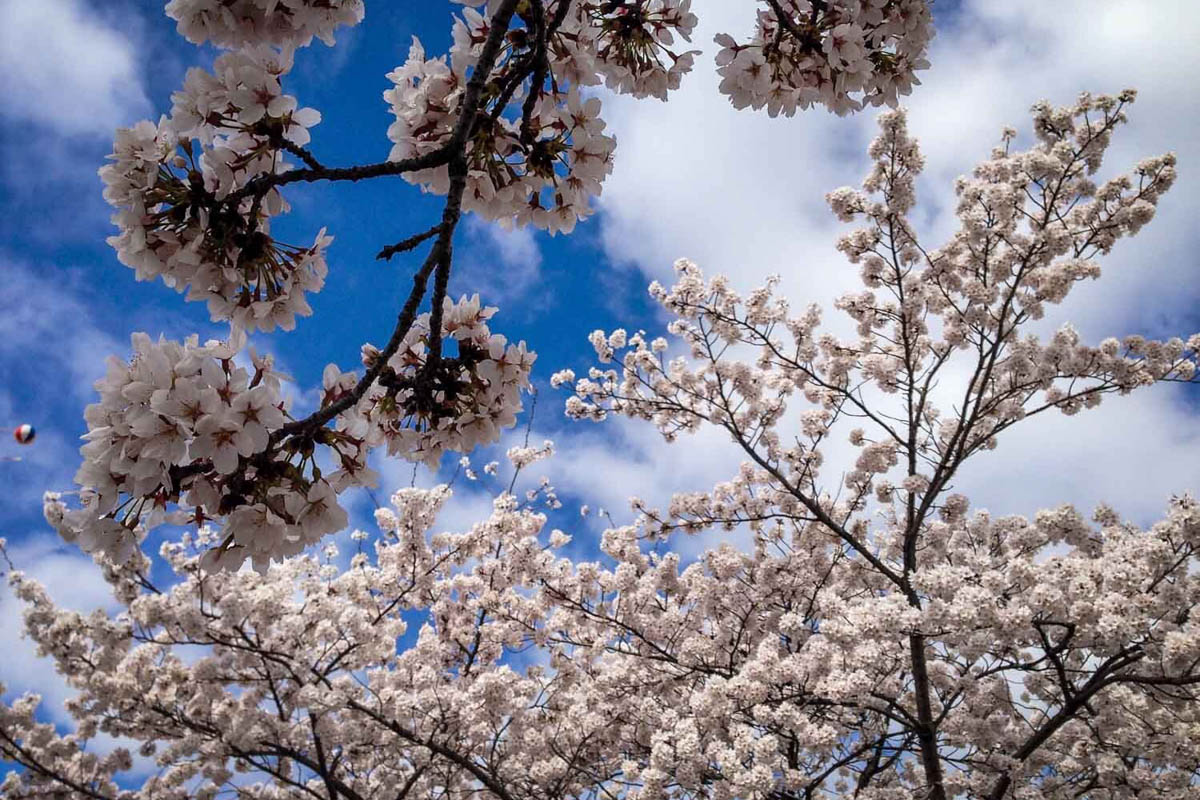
(63, 67)
(516, 247)
(45, 323)
(1133, 453)
(503, 266)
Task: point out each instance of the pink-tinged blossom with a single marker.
(170, 183)
(183, 429)
(281, 23)
(842, 54)
(490, 375)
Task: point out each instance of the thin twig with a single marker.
(405, 245)
(299, 152)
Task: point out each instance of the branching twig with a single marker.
(404, 245)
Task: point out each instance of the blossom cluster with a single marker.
(186, 425)
(466, 402)
(788, 684)
(506, 180)
(183, 425)
(843, 54)
(626, 45)
(180, 188)
(281, 23)
(543, 166)
(219, 673)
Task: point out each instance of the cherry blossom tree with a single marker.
(879, 640)
(875, 638)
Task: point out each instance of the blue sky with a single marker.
(735, 191)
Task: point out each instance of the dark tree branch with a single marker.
(434, 158)
(454, 154)
(1102, 677)
(299, 152)
(404, 245)
(541, 64)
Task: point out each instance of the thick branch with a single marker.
(455, 155)
(1100, 679)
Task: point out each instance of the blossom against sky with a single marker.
(736, 191)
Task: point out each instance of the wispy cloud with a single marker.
(46, 327)
(61, 66)
(503, 266)
(52, 349)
